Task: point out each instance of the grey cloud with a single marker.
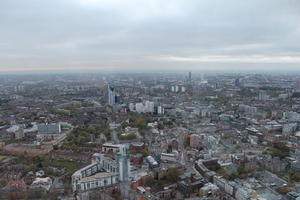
(125, 34)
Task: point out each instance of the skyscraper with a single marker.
(124, 163)
(190, 76)
(111, 95)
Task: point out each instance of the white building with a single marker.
(131, 107)
(176, 88)
(44, 183)
(183, 89)
(160, 110)
(173, 88)
(140, 108)
(170, 157)
(123, 163)
(103, 171)
(148, 107)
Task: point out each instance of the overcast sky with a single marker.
(149, 34)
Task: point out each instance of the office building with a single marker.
(190, 76)
(111, 95)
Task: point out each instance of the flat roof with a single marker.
(98, 176)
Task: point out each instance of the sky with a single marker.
(149, 35)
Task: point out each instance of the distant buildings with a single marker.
(289, 128)
(195, 141)
(178, 88)
(46, 129)
(248, 109)
(147, 107)
(238, 82)
(113, 97)
(291, 116)
(263, 96)
(160, 110)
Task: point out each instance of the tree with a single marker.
(172, 174)
(160, 126)
(92, 129)
(280, 150)
(145, 151)
(186, 142)
(130, 136)
(3, 182)
(106, 132)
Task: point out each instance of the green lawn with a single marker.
(259, 191)
(2, 157)
(70, 165)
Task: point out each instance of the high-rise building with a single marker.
(104, 171)
(173, 88)
(124, 163)
(297, 85)
(123, 159)
(182, 89)
(117, 99)
(238, 82)
(160, 110)
(113, 97)
(190, 76)
(263, 96)
(149, 106)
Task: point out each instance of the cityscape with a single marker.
(149, 100)
(154, 136)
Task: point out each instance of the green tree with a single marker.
(160, 126)
(3, 182)
(145, 151)
(172, 174)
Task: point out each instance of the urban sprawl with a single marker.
(148, 136)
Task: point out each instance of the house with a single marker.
(43, 183)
